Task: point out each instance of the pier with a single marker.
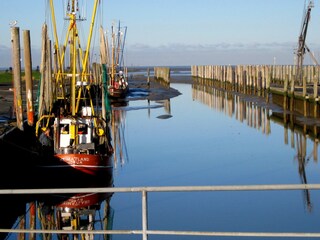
(278, 80)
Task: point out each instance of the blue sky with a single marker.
(186, 32)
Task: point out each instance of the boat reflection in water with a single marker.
(58, 211)
(86, 211)
(257, 110)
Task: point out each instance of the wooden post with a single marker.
(285, 84)
(28, 76)
(43, 67)
(148, 79)
(304, 86)
(16, 56)
(48, 77)
(315, 78)
(268, 77)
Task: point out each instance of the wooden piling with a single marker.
(28, 77)
(41, 104)
(162, 74)
(275, 79)
(16, 56)
(148, 77)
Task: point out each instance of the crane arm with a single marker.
(304, 29)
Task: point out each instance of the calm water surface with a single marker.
(215, 139)
(200, 139)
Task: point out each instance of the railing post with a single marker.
(144, 215)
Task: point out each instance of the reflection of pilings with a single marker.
(232, 105)
(298, 105)
(119, 144)
(32, 219)
(108, 220)
(167, 105)
(301, 148)
(288, 122)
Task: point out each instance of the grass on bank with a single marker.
(6, 76)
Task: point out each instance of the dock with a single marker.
(273, 79)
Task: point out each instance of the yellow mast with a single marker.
(80, 70)
(74, 58)
(60, 70)
(89, 39)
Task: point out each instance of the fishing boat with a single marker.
(118, 74)
(73, 99)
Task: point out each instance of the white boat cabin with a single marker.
(76, 130)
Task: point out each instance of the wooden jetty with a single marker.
(275, 79)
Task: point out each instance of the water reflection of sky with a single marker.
(205, 145)
(199, 137)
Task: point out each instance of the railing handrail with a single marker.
(144, 190)
(263, 187)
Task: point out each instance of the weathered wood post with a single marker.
(48, 77)
(43, 66)
(285, 84)
(304, 87)
(16, 56)
(294, 77)
(315, 79)
(28, 77)
(148, 79)
(162, 74)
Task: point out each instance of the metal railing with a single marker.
(145, 190)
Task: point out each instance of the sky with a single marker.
(185, 32)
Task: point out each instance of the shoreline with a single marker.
(155, 91)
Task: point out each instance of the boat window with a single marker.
(83, 129)
(65, 129)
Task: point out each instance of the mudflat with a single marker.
(153, 91)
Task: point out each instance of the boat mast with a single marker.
(118, 45)
(94, 11)
(60, 68)
(122, 48)
(73, 59)
(112, 55)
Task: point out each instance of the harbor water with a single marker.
(210, 137)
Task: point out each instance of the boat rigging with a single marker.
(73, 98)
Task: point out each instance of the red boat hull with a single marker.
(118, 93)
(92, 164)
